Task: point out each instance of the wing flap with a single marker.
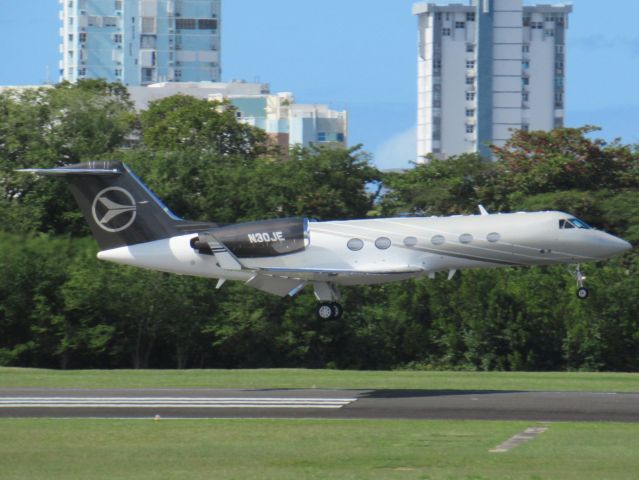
(276, 285)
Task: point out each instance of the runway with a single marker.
(317, 403)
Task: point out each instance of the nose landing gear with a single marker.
(582, 291)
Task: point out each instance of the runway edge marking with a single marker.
(516, 440)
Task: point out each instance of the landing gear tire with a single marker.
(582, 293)
(329, 310)
(325, 310)
(337, 310)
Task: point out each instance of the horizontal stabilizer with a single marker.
(74, 170)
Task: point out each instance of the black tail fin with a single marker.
(120, 209)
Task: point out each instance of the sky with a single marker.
(361, 55)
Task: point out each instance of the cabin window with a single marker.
(493, 237)
(410, 241)
(383, 243)
(465, 238)
(355, 244)
(438, 240)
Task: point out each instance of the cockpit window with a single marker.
(579, 223)
(566, 223)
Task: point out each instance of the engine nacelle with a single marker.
(266, 238)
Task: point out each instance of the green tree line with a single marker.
(61, 307)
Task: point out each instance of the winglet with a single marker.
(482, 210)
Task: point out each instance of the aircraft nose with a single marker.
(623, 245)
(617, 245)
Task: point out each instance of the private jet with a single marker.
(281, 256)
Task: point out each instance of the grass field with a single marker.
(314, 449)
(292, 378)
(310, 449)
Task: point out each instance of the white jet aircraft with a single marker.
(281, 256)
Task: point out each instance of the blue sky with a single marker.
(361, 55)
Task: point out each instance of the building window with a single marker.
(470, 128)
(118, 72)
(526, 20)
(460, 25)
(470, 17)
(117, 38)
(70, 37)
(147, 74)
(470, 96)
(525, 96)
(94, 21)
(525, 64)
(340, 137)
(525, 81)
(537, 25)
(147, 41)
(470, 64)
(110, 21)
(470, 48)
(207, 24)
(185, 23)
(82, 71)
(470, 80)
(549, 33)
(525, 48)
(446, 32)
(470, 112)
(525, 127)
(82, 37)
(148, 25)
(438, 16)
(321, 136)
(178, 73)
(118, 4)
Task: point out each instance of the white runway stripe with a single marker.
(171, 402)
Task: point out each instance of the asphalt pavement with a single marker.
(317, 403)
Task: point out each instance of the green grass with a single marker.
(310, 449)
(292, 378)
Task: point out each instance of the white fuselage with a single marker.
(396, 248)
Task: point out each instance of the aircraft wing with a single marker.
(314, 273)
(289, 281)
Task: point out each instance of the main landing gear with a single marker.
(329, 310)
(328, 295)
(582, 292)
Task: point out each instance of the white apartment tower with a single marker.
(139, 42)
(486, 69)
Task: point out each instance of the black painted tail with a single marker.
(120, 209)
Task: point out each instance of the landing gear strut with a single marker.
(582, 292)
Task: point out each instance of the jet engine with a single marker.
(266, 238)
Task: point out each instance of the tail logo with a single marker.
(114, 209)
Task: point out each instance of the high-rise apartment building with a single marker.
(486, 69)
(139, 42)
